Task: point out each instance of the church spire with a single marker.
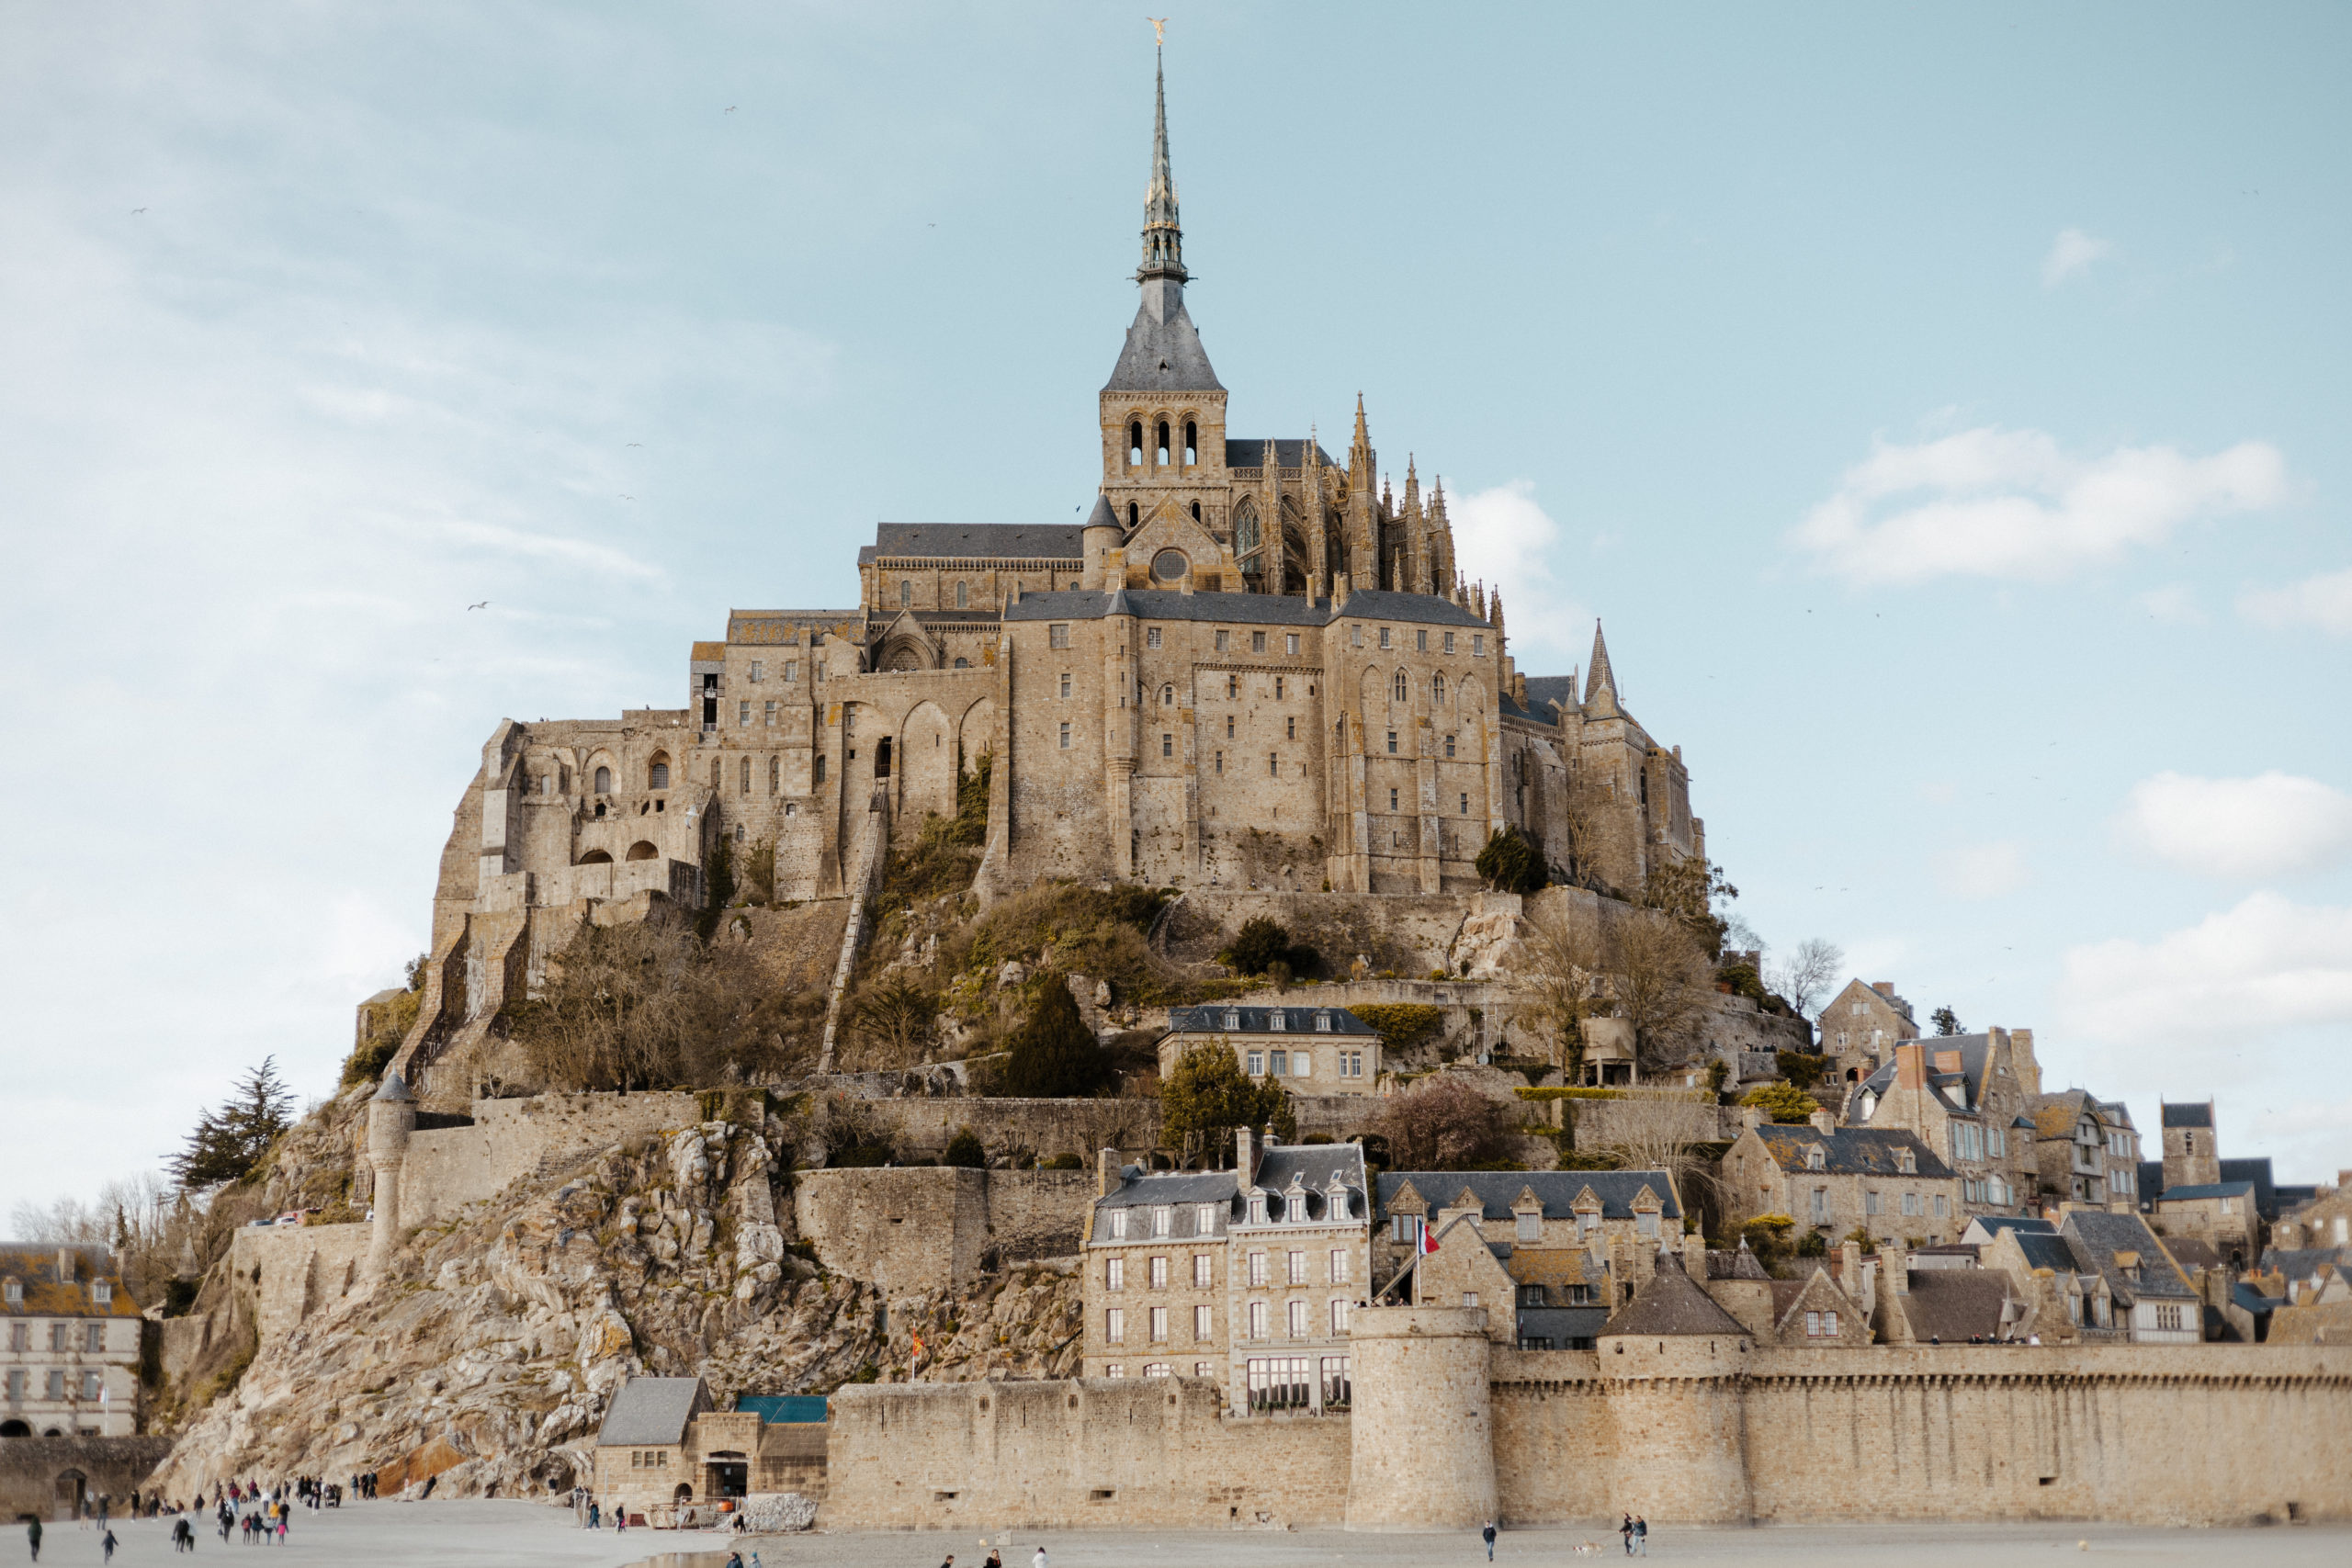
(1601, 677)
(1163, 235)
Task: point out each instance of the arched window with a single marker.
(715, 765)
(643, 850)
(604, 780)
(1163, 447)
(1167, 697)
(1191, 445)
(747, 775)
(1170, 566)
(906, 591)
(1403, 690)
(1135, 443)
(1196, 512)
(1134, 517)
(1245, 529)
(962, 664)
(963, 599)
(820, 770)
(1437, 690)
(658, 775)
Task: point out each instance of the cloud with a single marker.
(2324, 602)
(1982, 870)
(2262, 967)
(2071, 254)
(2238, 829)
(1503, 537)
(2004, 503)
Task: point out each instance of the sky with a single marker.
(1942, 407)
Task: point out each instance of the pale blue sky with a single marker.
(1945, 410)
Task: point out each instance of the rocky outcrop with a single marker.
(488, 1352)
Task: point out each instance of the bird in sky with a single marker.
(628, 498)
(137, 211)
(731, 109)
(483, 605)
(637, 442)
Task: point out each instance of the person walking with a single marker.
(1641, 1535)
(32, 1535)
(106, 1544)
(1626, 1529)
(595, 1520)
(1038, 1561)
(1488, 1535)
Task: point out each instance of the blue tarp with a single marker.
(778, 1409)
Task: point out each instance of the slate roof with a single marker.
(33, 1266)
(2049, 1250)
(1849, 1151)
(1163, 354)
(1734, 1263)
(1496, 1190)
(1543, 690)
(2207, 1191)
(1952, 1304)
(1245, 609)
(1260, 1020)
(652, 1411)
(1314, 1164)
(2193, 1252)
(2302, 1262)
(974, 541)
(2152, 1180)
(2268, 1196)
(1670, 1302)
(2097, 1236)
(1250, 453)
(2198, 1115)
(1561, 1325)
(1994, 1225)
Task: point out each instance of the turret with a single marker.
(1676, 1365)
(1102, 534)
(1422, 1443)
(391, 1116)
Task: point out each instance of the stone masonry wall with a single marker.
(38, 1474)
(1116, 1453)
(285, 1273)
(927, 1228)
(449, 1167)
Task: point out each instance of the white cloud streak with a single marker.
(2238, 829)
(2072, 254)
(1504, 539)
(2261, 968)
(2010, 504)
(2323, 602)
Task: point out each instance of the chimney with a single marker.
(1911, 1065)
(64, 1265)
(1751, 1116)
(1850, 1269)
(1896, 1263)
(1340, 591)
(1823, 1120)
(1883, 988)
(1108, 1177)
(1245, 1155)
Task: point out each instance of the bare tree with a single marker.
(1661, 987)
(1443, 1124)
(1663, 1135)
(1804, 977)
(1565, 958)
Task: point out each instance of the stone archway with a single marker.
(927, 763)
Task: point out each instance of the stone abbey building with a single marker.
(1255, 665)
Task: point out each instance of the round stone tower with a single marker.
(1422, 1428)
(1676, 1370)
(391, 1116)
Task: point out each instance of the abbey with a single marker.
(1255, 665)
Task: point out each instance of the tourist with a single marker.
(1641, 1535)
(1626, 1529)
(950, 1562)
(595, 1520)
(106, 1544)
(1038, 1561)
(1488, 1535)
(32, 1534)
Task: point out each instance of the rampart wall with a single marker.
(45, 1477)
(927, 1228)
(449, 1167)
(285, 1273)
(1097, 1453)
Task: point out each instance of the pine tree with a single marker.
(228, 1143)
(1055, 1057)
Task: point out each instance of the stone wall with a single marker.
(284, 1274)
(1099, 1453)
(921, 1128)
(45, 1476)
(921, 1229)
(451, 1166)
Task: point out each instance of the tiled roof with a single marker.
(2199, 1115)
(1313, 1164)
(1734, 1263)
(47, 1295)
(1237, 1020)
(650, 1412)
(1672, 1303)
(2098, 1236)
(2044, 1249)
(1558, 1191)
(1543, 690)
(1247, 452)
(1849, 1151)
(2207, 1191)
(2193, 1252)
(1952, 1304)
(1163, 354)
(1561, 1325)
(976, 541)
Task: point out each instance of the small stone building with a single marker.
(664, 1447)
(1832, 1181)
(2087, 1151)
(1310, 1050)
(1862, 1025)
(1969, 1097)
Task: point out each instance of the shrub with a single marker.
(1401, 1025)
(1062, 1162)
(1783, 1103)
(964, 1149)
(1802, 1068)
(1510, 862)
(1261, 942)
(895, 1018)
(1811, 1245)
(1054, 1056)
(1768, 1238)
(1206, 1095)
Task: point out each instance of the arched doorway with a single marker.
(72, 1488)
(684, 1494)
(15, 1429)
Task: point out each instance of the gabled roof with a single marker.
(1993, 1224)
(1219, 1019)
(652, 1412)
(2047, 1249)
(1314, 1166)
(1163, 351)
(1670, 1302)
(1558, 1191)
(976, 541)
(1734, 1263)
(2193, 1252)
(2302, 1262)
(1951, 1305)
(1975, 1054)
(1547, 693)
(1848, 1151)
(2196, 1114)
(2099, 1236)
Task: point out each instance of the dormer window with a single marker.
(1323, 1023)
(1118, 1224)
(1204, 1221)
(1258, 1210)
(1906, 1162)
(102, 1291)
(1815, 1159)
(1163, 1219)
(1274, 1021)
(1233, 1021)
(13, 1292)
(1531, 1226)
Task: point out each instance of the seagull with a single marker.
(628, 498)
(137, 211)
(731, 109)
(637, 442)
(483, 605)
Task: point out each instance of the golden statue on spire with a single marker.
(1159, 28)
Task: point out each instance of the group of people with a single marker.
(259, 1515)
(1635, 1531)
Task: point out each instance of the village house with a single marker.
(1309, 1050)
(1862, 1025)
(664, 1447)
(1816, 1309)
(2087, 1152)
(1838, 1181)
(1243, 1276)
(1969, 1097)
(70, 1365)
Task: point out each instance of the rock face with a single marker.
(489, 1350)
